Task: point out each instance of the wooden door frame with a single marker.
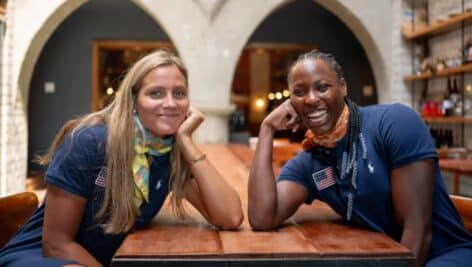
(114, 45)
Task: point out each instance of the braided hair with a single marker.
(349, 156)
(316, 54)
(354, 134)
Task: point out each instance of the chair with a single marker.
(15, 210)
(452, 153)
(464, 207)
(283, 151)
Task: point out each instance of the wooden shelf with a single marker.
(438, 27)
(447, 119)
(420, 76)
(443, 73)
(422, 33)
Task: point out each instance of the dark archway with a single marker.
(306, 23)
(66, 61)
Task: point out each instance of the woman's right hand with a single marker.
(194, 118)
(284, 117)
(271, 203)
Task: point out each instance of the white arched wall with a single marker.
(377, 26)
(209, 35)
(352, 19)
(30, 23)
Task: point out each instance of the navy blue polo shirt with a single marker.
(394, 136)
(78, 167)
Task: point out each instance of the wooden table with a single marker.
(315, 235)
(458, 167)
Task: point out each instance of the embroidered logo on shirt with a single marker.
(324, 178)
(370, 167)
(100, 180)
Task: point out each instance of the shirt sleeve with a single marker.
(76, 163)
(404, 136)
(298, 170)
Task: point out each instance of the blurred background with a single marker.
(64, 58)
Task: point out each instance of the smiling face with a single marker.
(317, 94)
(162, 101)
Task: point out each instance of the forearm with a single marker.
(69, 251)
(221, 202)
(418, 240)
(262, 191)
(412, 195)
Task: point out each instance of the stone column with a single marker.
(215, 127)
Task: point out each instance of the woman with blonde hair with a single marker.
(110, 171)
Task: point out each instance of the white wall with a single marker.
(209, 35)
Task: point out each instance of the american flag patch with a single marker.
(324, 178)
(100, 181)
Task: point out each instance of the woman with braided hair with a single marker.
(376, 166)
(110, 172)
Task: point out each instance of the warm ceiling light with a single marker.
(278, 95)
(286, 93)
(110, 91)
(260, 103)
(468, 88)
(271, 96)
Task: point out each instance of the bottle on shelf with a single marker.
(456, 100)
(468, 101)
(467, 51)
(449, 138)
(418, 58)
(447, 105)
(441, 138)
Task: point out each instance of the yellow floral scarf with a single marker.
(329, 139)
(145, 142)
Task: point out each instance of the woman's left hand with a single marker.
(194, 118)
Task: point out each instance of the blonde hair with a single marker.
(119, 203)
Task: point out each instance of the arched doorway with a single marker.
(290, 30)
(61, 84)
(210, 44)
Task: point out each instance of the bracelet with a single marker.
(202, 157)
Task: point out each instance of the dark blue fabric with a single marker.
(394, 136)
(459, 257)
(78, 167)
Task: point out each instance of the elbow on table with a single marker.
(232, 223)
(261, 224)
